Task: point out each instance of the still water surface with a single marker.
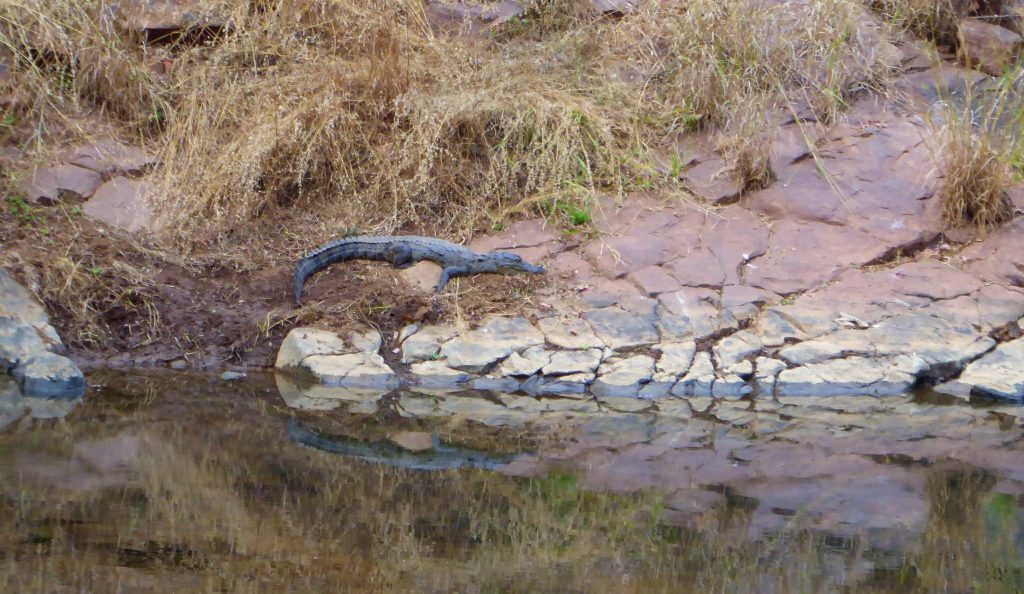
(164, 482)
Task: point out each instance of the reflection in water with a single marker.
(439, 457)
(178, 483)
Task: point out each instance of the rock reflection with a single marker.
(162, 485)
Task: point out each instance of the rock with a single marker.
(986, 46)
(812, 351)
(47, 375)
(712, 181)
(179, 364)
(527, 364)
(18, 304)
(435, 374)
(774, 327)
(998, 374)
(19, 342)
(359, 370)
(422, 276)
(698, 381)
(766, 370)
(569, 333)
(407, 331)
(619, 329)
(301, 343)
(413, 441)
(125, 204)
(109, 158)
(654, 280)
(231, 376)
(852, 376)
(676, 357)
(367, 342)
(804, 255)
(497, 338)
(168, 20)
(426, 343)
(623, 378)
(689, 313)
(50, 185)
(944, 348)
(573, 362)
(744, 369)
(627, 405)
(733, 349)
(615, 7)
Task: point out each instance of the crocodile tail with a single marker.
(316, 261)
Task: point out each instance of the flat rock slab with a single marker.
(851, 376)
(125, 204)
(110, 158)
(569, 333)
(478, 350)
(50, 185)
(619, 329)
(998, 374)
(806, 255)
(573, 362)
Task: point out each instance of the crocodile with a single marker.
(404, 251)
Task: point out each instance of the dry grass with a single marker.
(979, 150)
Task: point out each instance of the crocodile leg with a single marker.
(449, 273)
(400, 256)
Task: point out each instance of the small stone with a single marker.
(179, 364)
(229, 376)
(744, 369)
(413, 441)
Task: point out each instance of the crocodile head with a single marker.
(505, 262)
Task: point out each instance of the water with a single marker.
(168, 482)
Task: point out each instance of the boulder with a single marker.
(877, 376)
(623, 378)
(987, 46)
(47, 375)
